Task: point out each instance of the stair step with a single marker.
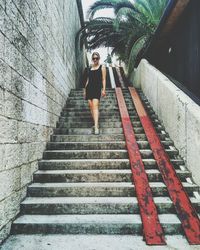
(101, 137)
(81, 102)
(98, 145)
(85, 108)
(82, 176)
(81, 189)
(89, 119)
(90, 224)
(103, 111)
(94, 205)
(89, 138)
(89, 145)
(104, 117)
(85, 154)
(98, 164)
(86, 124)
(88, 131)
(110, 175)
(98, 154)
(110, 113)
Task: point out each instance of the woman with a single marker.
(95, 88)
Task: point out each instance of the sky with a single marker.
(87, 3)
(105, 13)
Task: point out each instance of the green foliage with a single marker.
(129, 32)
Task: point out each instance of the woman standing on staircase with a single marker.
(95, 88)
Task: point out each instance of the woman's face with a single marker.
(95, 59)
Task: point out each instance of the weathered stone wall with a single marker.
(37, 71)
(178, 112)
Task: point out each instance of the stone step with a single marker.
(75, 101)
(86, 154)
(80, 90)
(80, 94)
(94, 205)
(89, 119)
(108, 89)
(78, 164)
(108, 93)
(89, 138)
(89, 145)
(89, 131)
(103, 103)
(77, 106)
(99, 154)
(104, 113)
(104, 117)
(99, 145)
(104, 124)
(74, 128)
(64, 124)
(78, 101)
(101, 137)
(110, 97)
(109, 100)
(101, 114)
(102, 107)
(87, 111)
(108, 175)
(98, 189)
(90, 224)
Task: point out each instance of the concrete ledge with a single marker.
(88, 242)
(178, 112)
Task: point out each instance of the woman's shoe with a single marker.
(96, 131)
(93, 127)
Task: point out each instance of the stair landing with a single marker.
(91, 242)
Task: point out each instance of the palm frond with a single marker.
(125, 4)
(99, 5)
(137, 47)
(128, 32)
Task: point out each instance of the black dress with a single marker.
(93, 89)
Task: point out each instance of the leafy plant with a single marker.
(129, 32)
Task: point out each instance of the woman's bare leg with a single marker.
(95, 107)
(91, 108)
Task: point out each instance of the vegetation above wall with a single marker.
(128, 32)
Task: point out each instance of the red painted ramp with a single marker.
(152, 230)
(186, 213)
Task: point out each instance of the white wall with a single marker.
(178, 112)
(37, 71)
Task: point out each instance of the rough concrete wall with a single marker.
(37, 71)
(178, 112)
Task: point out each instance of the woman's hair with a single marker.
(96, 53)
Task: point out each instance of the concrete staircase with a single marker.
(83, 185)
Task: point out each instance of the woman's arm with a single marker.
(84, 89)
(104, 80)
(87, 82)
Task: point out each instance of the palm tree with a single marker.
(102, 32)
(129, 32)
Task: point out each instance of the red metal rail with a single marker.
(185, 211)
(152, 230)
